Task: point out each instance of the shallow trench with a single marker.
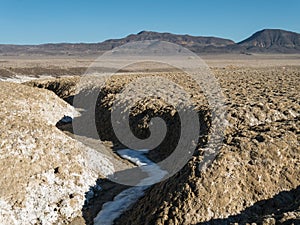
(105, 190)
(139, 126)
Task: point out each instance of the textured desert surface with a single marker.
(50, 177)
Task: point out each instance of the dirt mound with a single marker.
(45, 174)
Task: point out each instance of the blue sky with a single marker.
(44, 21)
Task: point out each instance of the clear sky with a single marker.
(44, 21)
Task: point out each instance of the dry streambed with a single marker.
(140, 117)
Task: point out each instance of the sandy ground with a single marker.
(212, 60)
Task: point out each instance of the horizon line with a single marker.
(136, 33)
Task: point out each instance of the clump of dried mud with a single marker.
(44, 173)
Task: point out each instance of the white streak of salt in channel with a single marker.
(21, 79)
(122, 202)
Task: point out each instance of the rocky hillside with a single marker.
(275, 40)
(184, 40)
(266, 41)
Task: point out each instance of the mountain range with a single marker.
(264, 41)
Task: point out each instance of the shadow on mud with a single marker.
(285, 201)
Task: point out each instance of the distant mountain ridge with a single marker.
(264, 41)
(184, 40)
(274, 40)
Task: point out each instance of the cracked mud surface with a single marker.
(254, 179)
(259, 159)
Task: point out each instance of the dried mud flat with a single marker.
(254, 179)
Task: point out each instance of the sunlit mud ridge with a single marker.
(45, 173)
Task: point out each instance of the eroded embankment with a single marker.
(141, 113)
(44, 173)
(257, 164)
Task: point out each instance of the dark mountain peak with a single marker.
(143, 32)
(265, 33)
(273, 39)
(275, 31)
